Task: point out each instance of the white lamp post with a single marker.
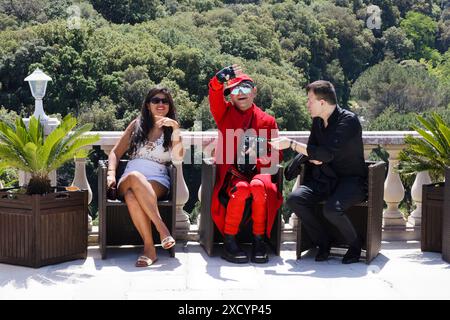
(38, 84)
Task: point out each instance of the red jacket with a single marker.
(226, 117)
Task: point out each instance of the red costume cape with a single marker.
(229, 117)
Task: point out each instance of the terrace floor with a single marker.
(401, 271)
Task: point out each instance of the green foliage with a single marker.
(406, 87)
(431, 152)
(282, 44)
(8, 22)
(421, 30)
(135, 11)
(26, 149)
(103, 114)
(391, 120)
(397, 44)
(7, 115)
(8, 177)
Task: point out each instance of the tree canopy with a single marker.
(103, 56)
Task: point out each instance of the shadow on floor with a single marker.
(21, 277)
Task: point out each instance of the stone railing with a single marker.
(204, 141)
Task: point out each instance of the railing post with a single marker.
(182, 225)
(80, 180)
(422, 178)
(393, 191)
(199, 195)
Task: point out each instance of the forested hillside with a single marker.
(104, 55)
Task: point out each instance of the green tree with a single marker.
(397, 44)
(134, 11)
(421, 30)
(406, 88)
(102, 114)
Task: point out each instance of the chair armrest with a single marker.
(173, 181)
(102, 175)
(375, 184)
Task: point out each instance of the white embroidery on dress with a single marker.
(153, 150)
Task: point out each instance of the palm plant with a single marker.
(26, 149)
(429, 153)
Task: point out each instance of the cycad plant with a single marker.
(26, 149)
(429, 153)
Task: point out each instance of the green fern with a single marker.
(429, 153)
(26, 149)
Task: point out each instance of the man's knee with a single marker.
(258, 190)
(241, 190)
(295, 200)
(332, 209)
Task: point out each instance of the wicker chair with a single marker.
(446, 219)
(115, 225)
(208, 232)
(366, 217)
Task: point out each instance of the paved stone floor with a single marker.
(401, 271)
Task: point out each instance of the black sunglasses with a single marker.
(156, 100)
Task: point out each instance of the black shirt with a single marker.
(340, 144)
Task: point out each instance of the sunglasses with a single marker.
(156, 100)
(241, 89)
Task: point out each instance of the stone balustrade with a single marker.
(203, 143)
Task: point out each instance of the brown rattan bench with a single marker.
(366, 217)
(208, 232)
(115, 225)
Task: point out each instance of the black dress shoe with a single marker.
(232, 252)
(323, 253)
(259, 251)
(352, 256)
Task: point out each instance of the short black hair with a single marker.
(323, 90)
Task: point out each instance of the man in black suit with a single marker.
(336, 142)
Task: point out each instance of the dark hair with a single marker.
(323, 90)
(145, 121)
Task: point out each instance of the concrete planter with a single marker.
(38, 230)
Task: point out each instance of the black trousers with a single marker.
(349, 191)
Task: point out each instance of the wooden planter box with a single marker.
(40, 230)
(432, 212)
(446, 219)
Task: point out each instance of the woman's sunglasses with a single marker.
(156, 100)
(241, 89)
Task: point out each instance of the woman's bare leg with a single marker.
(142, 223)
(147, 198)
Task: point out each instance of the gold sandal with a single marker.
(168, 242)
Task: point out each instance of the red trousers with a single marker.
(239, 191)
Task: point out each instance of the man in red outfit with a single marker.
(244, 164)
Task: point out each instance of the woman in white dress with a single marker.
(152, 140)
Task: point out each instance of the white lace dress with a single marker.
(151, 160)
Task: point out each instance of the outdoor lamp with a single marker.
(38, 84)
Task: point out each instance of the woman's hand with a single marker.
(111, 181)
(166, 122)
(280, 143)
